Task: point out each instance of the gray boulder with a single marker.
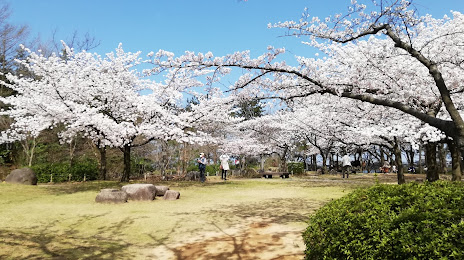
(111, 196)
(22, 176)
(140, 191)
(161, 190)
(171, 195)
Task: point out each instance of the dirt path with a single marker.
(257, 239)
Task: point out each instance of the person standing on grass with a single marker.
(202, 167)
(224, 165)
(346, 165)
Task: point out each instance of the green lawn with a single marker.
(63, 221)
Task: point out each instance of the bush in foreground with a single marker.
(411, 221)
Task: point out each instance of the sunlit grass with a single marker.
(63, 220)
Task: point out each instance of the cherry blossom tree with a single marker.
(98, 97)
(317, 124)
(273, 134)
(381, 53)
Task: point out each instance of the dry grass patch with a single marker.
(63, 221)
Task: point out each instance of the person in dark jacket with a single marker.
(202, 167)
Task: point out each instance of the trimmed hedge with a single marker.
(410, 221)
(61, 171)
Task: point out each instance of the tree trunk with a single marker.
(442, 159)
(431, 162)
(242, 164)
(331, 160)
(455, 161)
(164, 157)
(421, 167)
(29, 149)
(398, 162)
(261, 167)
(382, 158)
(283, 161)
(127, 163)
(31, 154)
(102, 151)
(389, 153)
(184, 158)
(306, 165)
(72, 149)
(410, 156)
(324, 163)
(314, 162)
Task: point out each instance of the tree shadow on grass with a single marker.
(263, 232)
(258, 240)
(42, 242)
(278, 210)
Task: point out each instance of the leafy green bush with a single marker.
(192, 167)
(411, 221)
(212, 169)
(61, 171)
(295, 167)
(87, 167)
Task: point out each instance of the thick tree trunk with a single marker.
(398, 162)
(127, 163)
(102, 151)
(431, 162)
(455, 161)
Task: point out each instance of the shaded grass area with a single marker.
(43, 242)
(62, 221)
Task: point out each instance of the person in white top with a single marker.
(346, 162)
(224, 166)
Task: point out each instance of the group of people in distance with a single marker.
(385, 168)
(346, 163)
(224, 166)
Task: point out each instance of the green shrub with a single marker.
(192, 168)
(61, 171)
(296, 167)
(212, 169)
(411, 221)
(87, 167)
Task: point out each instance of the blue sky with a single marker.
(220, 26)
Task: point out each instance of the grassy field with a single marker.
(62, 221)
